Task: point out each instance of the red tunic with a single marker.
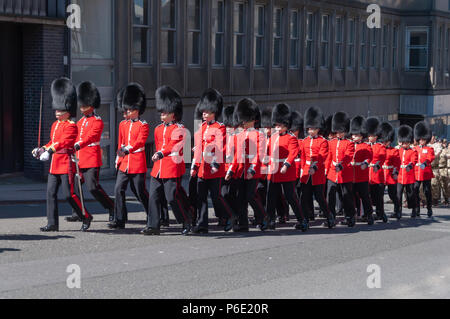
(170, 140)
(391, 164)
(408, 157)
(298, 160)
(89, 135)
(379, 156)
(423, 168)
(363, 154)
(250, 151)
(63, 135)
(133, 136)
(282, 149)
(314, 153)
(210, 150)
(341, 151)
(230, 148)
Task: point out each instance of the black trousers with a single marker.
(214, 188)
(347, 198)
(377, 196)
(282, 207)
(122, 180)
(90, 177)
(274, 193)
(426, 191)
(229, 193)
(392, 191)
(53, 184)
(410, 196)
(339, 200)
(247, 194)
(171, 190)
(361, 195)
(309, 192)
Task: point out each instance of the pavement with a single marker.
(406, 259)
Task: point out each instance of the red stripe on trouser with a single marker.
(78, 202)
(258, 202)
(102, 191)
(294, 194)
(224, 203)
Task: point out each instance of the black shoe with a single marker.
(242, 229)
(111, 215)
(222, 222)
(230, 223)
(272, 225)
(430, 213)
(86, 223)
(384, 218)
(282, 220)
(344, 222)
(330, 222)
(264, 225)
(303, 226)
(164, 223)
(186, 229)
(49, 228)
(72, 219)
(370, 220)
(199, 230)
(351, 222)
(364, 219)
(116, 225)
(312, 218)
(148, 231)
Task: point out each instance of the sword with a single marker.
(76, 160)
(40, 122)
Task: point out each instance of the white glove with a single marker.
(37, 152)
(45, 157)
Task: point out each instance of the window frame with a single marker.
(363, 60)
(325, 43)
(385, 47)
(174, 30)
(395, 39)
(351, 43)
(261, 36)
(199, 32)
(242, 34)
(310, 40)
(374, 63)
(279, 37)
(149, 28)
(222, 34)
(295, 40)
(339, 43)
(408, 47)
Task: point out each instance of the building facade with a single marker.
(302, 52)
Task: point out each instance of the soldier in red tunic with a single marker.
(60, 148)
(361, 160)
(87, 146)
(131, 164)
(314, 153)
(282, 152)
(297, 128)
(391, 165)
(169, 166)
(406, 177)
(339, 168)
(425, 156)
(246, 166)
(376, 173)
(209, 162)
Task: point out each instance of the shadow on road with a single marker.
(33, 237)
(8, 249)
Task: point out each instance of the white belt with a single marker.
(208, 154)
(404, 166)
(298, 160)
(388, 167)
(94, 144)
(335, 164)
(248, 156)
(310, 163)
(279, 160)
(174, 154)
(358, 163)
(139, 150)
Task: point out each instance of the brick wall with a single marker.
(43, 53)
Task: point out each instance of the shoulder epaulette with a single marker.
(143, 121)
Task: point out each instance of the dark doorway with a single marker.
(11, 101)
(411, 120)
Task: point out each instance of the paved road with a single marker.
(413, 256)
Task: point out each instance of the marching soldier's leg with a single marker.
(172, 192)
(437, 184)
(255, 201)
(357, 199)
(202, 206)
(75, 202)
(165, 219)
(416, 203)
(331, 197)
(363, 193)
(292, 198)
(400, 188)
(221, 207)
(91, 178)
(156, 194)
(446, 186)
(53, 183)
(120, 209)
(380, 202)
(273, 195)
(307, 198)
(348, 203)
(392, 191)
(323, 205)
(138, 180)
(76, 191)
(428, 195)
(242, 211)
(339, 201)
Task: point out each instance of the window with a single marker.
(218, 32)
(447, 52)
(439, 49)
(385, 46)
(239, 33)
(259, 36)
(351, 43)
(277, 37)
(339, 40)
(141, 31)
(310, 51)
(194, 31)
(363, 57)
(395, 47)
(416, 48)
(324, 47)
(168, 31)
(294, 39)
(374, 60)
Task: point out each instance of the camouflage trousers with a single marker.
(444, 183)
(435, 186)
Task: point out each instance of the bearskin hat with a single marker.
(64, 96)
(246, 110)
(88, 95)
(266, 118)
(314, 118)
(198, 116)
(358, 126)
(405, 134)
(119, 99)
(340, 123)
(297, 124)
(169, 101)
(282, 114)
(387, 132)
(212, 102)
(422, 131)
(133, 98)
(227, 116)
(372, 126)
(326, 129)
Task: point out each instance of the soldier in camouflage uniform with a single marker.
(435, 165)
(444, 170)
